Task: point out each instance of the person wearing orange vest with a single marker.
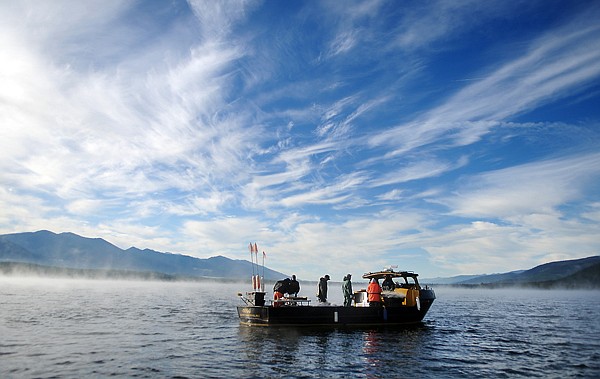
(374, 293)
(277, 296)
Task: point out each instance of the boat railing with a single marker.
(254, 298)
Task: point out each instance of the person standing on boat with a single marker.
(322, 289)
(374, 293)
(347, 290)
(388, 283)
(294, 286)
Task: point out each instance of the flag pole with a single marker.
(252, 263)
(263, 275)
(257, 269)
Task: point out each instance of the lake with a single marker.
(88, 328)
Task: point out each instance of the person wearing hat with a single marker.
(347, 290)
(374, 293)
(322, 289)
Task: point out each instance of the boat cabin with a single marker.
(402, 290)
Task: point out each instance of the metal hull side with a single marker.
(332, 315)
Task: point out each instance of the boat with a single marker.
(405, 303)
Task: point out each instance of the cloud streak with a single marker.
(553, 67)
(527, 189)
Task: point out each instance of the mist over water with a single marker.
(82, 328)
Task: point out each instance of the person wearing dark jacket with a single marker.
(388, 283)
(347, 290)
(294, 286)
(322, 289)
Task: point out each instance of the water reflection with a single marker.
(394, 352)
(289, 352)
(315, 352)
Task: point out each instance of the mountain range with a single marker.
(68, 254)
(46, 252)
(576, 273)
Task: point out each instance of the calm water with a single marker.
(76, 328)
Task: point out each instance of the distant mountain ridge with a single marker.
(45, 252)
(584, 272)
(69, 250)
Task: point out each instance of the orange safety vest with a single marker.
(374, 292)
(276, 296)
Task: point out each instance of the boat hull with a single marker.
(333, 315)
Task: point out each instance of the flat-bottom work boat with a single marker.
(404, 304)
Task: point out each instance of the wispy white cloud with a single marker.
(418, 170)
(211, 203)
(218, 20)
(349, 18)
(486, 247)
(111, 130)
(323, 247)
(592, 212)
(429, 23)
(530, 225)
(532, 188)
(329, 194)
(227, 235)
(392, 195)
(553, 67)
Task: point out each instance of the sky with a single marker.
(441, 137)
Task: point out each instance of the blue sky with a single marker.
(444, 137)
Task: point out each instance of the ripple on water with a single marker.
(190, 330)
